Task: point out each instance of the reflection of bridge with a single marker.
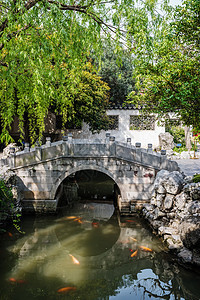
(42, 170)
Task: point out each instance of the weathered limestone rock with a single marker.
(194, 207)
(196, 194)
(168, 202)
(173, 183)
(161, 189)
(174, 213)
(167, 230)
(159, 199)
(7, 150)
(180, 200)
(158, 214)
(190, 233)
(185, 255)
(166, 141)
(159, 178)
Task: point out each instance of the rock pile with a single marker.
(166, 141)
(8, 150)
(174, 213)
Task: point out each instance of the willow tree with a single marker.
(44, 48)
(167, 61)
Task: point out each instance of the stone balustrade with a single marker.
(69, 147)
(41, 170)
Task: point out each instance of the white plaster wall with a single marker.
(144, 137)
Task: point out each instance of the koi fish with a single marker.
(21, 281)
(130, 221)
(66, 289)
(12, 279)
(146, 249)
(78, 220)
(10, 234)
(95, 224)
(134, 253)
(75, 261)
(133, 239)
(70, 218)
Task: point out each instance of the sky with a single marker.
(175, 2)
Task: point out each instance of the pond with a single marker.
(88, 252)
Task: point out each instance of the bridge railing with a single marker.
(81, 148)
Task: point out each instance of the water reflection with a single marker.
(88, 250)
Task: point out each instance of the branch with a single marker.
(31, 3)
(83, 9)
(4, 25)
(27, 6)
(3, 64)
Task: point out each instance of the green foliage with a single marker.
(44, 47)
(7, 207)
(178, 133)
(196, 178)
(116, 70)
(180, 149)
(167, 62)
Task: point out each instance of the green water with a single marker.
(87, 250)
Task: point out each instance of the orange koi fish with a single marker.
(66, 289)
(146, 249)
(21, 281)
(134, 253)
(78, 220)
(133, 239)
(70, 218)
(10, 234)
(12, 279)
(75, 261)
(130, 221)
(95, 224)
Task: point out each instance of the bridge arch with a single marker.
(66, 174)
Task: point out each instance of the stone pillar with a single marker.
(163, 160)
(107, 137)
(48, 141)
(65, 138)
(149, 149)
(65, 146)
(12, 158)
(70, 137)
(138, 154)
(138, 145)
(128, 141)
(163, 152)
(70, 144)
(27, 147)
(112, 146)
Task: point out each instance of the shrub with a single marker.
(8, 210)
(178, 133)
(196, 178)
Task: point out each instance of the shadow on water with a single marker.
(89, 248)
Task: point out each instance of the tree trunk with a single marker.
(187, 138)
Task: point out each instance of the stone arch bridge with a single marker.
(41, 170)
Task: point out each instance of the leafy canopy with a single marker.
(116, 70)
(44, 49)
(167, 62)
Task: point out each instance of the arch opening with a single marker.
(86, 186)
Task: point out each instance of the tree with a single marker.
(167, 62)
(116, 70)
(44, 46)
